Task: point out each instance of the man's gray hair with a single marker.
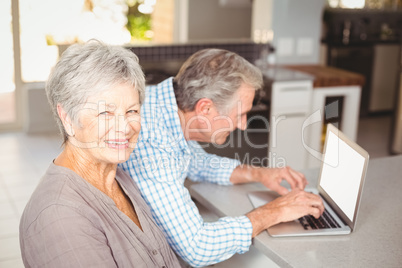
(89, 69)
(215, 74)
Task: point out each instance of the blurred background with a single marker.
(362, 38)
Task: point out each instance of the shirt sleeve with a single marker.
(210, 167)
(161, 185)
(65, 240)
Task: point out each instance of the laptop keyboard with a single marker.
(326, 221)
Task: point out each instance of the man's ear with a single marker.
(66, 120)
(203, 107)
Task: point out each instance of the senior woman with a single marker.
(87, 212)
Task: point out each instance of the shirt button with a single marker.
(154, 252)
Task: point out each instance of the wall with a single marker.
(261, 17)
(163, 21)
(297, 30)
(208, 20)
(38, 116)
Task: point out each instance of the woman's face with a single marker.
(109, 125)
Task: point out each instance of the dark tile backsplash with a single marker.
(162, 61)
(249, 51)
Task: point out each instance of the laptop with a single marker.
(340, 185)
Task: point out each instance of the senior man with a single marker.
(209, 97)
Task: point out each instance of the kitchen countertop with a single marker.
(376, 241)
(274, 73)
(322, 76)
(325, 76)
(278, 73)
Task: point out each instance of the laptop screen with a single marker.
(341, 173)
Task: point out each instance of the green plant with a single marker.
(138, 24)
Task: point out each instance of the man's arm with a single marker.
(208, 167)
(270, 177)
(293, 205)
(225, 171)
(198, 243)
(286, 208)
(290, 206)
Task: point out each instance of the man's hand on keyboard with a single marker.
(285, 208)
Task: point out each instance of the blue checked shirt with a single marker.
(160, 163)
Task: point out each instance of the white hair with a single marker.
(88, 69)
(216, 74)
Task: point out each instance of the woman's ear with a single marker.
(66, 120)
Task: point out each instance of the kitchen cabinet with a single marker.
(335, 99)
(299, 111)
(290, 94)
(385, 77)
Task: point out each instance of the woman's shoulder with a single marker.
(51, 186)
(55, 190)
(57, 184)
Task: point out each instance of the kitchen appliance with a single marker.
(366, 41)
